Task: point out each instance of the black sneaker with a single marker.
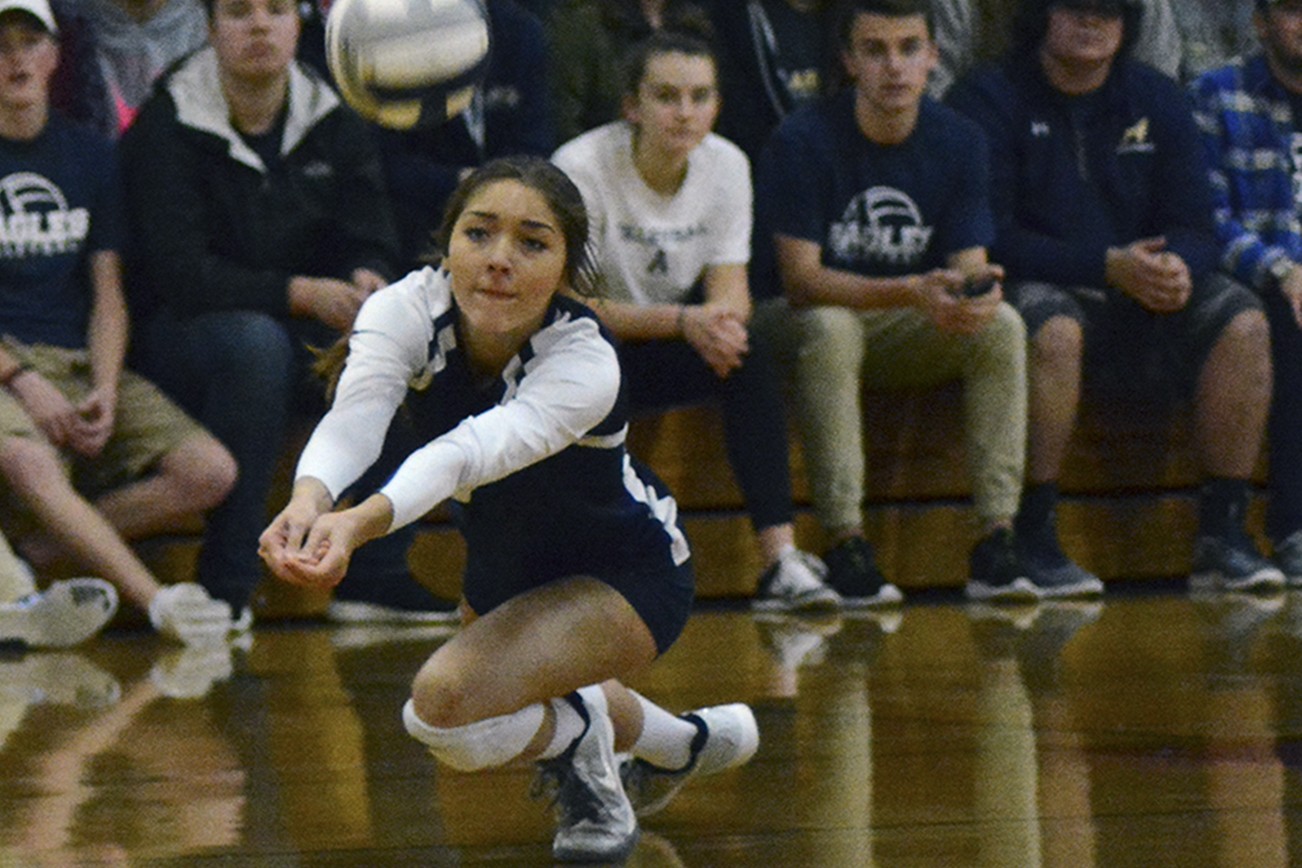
(852, 572)
(1054, 574)
(996, 571)
(1232, 563)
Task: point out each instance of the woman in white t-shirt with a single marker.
(670, 206)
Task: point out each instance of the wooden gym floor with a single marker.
(1150, 729)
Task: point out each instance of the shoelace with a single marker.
(565, 790)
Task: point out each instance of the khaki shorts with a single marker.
(147, 425)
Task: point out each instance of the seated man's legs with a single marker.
(663, 374)
(1285, 436)
(237, 372)
(1225, 337)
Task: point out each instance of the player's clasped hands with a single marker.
(307, 544)
(1150, 274)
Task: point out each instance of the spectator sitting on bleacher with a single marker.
(260, 225)
(774, 56)
(972, 32)
(587, 42)
(1250, 114)
(876, 207)
(69, 411)
(136, 40)
(670, 207)
(1105, 228)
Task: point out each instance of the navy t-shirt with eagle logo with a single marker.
(59, 202)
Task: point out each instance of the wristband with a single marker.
(14, 372)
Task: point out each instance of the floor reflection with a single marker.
(1154, 728)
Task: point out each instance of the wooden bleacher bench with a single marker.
(1128, 507)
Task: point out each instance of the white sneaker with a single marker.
(65, 613)
(595, 822)
(796, 582)
(727, 736)
(185, 612)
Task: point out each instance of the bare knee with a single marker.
(1057, 346)
(441, 698)
(203, 469)
(1247, 335)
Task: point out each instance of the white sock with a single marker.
(666, 739)
(569, 726)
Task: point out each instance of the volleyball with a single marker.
(401, 63)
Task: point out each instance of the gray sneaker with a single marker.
(1232, 563)
(1288, 557)
(595, 822)
(796, 582)
(727, 736)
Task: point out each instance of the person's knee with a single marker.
(1248, 332)
(30, 465)
(440, 697)
(205, 469)
(1057, 345)
(481, 744)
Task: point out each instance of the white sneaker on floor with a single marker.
(185, 612)
(796, 582)
(727, 737)
(64, 614)
(595, 822)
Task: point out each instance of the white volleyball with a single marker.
(404, 62)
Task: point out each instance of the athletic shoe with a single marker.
(595, 822)
(1055, 575)
(996, 572)
(1232, 563)
(726, 737)
(795, 583)
(185, 612)
(1288, 557)
(65, 613)
(852, 572)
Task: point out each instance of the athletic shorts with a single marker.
(147, 425)
(1128, 347)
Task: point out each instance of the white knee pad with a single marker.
(480, 745)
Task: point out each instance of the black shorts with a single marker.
(1128, 348)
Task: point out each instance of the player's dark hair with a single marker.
(562, 197)
(852, 9)
(659, 43)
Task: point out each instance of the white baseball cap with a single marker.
(38, 8)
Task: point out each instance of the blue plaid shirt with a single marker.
(1247, 129)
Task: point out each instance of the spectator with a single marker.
(774, 55)
(508, 114)
(587, 42)
(261, 225)
(1250, 113)
(69, 412)
(876, 203)
(970, 32)
(136, 40)
(670, 206)
(1212, 33)
(1102, 197)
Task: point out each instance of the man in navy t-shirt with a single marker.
(68, 408)
(875, 203)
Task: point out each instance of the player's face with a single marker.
(255, 40)
(676, 103)
(1280, 31)
(506, 256)
(1077, 36)
(28, 56)
(889, 59)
